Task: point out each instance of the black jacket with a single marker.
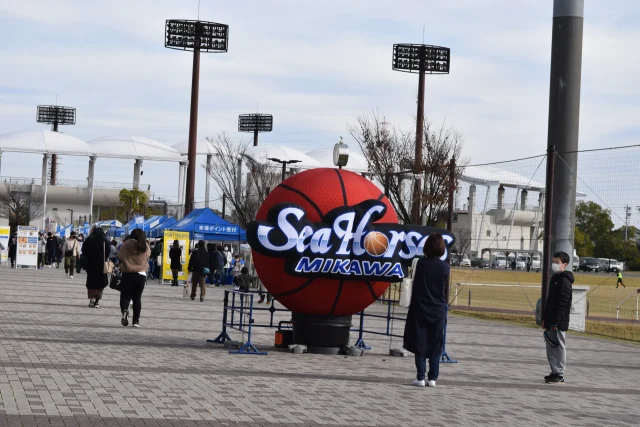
(243, 281)
(211, 250)
(558, 306)
(13, 246)
(424, 328)
(175, 255)
(52, 244)
(199, 260)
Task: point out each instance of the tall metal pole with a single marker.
(193, 131)
(54, 160)
(564, 118)
(548, 224)
(207, 182)
(417, 185)
(45, 184)
(284, 170)
(255, 138)
(452, 189)
(224, 205)
(92, 167)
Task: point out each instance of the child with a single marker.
(244, 280)
(555, 318)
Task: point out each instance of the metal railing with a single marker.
(70, 183)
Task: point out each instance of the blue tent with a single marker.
(154, 221)
(136, 222)
(206, 225)
(155, 232)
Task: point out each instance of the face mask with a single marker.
(555, 268)
(226, 249)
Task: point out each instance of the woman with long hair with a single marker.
(424, 328)
(175, 255)
(95, 251)
(134, 262)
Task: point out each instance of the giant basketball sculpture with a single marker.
(326, 243)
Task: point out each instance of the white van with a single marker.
(498, 261)
(535, 263)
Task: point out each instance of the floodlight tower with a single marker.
(198, 36)
(255, 123)
(422, 59)
(55, 115)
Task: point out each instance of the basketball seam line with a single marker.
(381, 197)
(293, 291)
(304, 196)
(344, 192)
(373, 294)
(335, 302)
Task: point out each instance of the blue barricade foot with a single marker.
(446, 359)
(248, 348)
(221, 338)
(361, 344)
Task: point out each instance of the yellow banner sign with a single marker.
(183, 240)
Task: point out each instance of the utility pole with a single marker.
(627, 215)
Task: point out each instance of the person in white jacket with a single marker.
(70, 251)
(227, 266)
(42, 250)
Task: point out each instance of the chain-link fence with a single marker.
(499, 225)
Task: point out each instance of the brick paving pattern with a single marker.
(65, 364)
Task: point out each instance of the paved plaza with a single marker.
(65, 364)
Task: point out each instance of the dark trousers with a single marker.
(13, 261)
(175, 277)
(434, 367)
(131, 288)
(51, 257)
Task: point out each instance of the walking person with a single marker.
(113, 252)
(227, 263)
(619, 282)
(221, 272)
(236, 266)
(424, 328)
(175, 256)
(555, 318)
(42, 250)
(211, 250)
(80, 240)
(71, 251)
(52, 246)
(134, 262)
(199, 268)
(13, 249)
(95, 251)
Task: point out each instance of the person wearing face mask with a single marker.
(227, 266)
(555, 318)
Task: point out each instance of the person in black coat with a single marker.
(555, 317)
(424, 328)
(211, 250)
(95, 251)
(52, 247)
(199, 268)
(175, 256)
(13, 249)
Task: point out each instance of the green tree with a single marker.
(593, 228)
(133, 201)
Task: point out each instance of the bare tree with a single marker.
(245, 193)
(463, 241)
(18, 207)
(390, 152)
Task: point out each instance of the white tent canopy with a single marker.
(357, 162)
(43, 141)
(262, 153)
(203, 147)
(133, 147)
(491, 175)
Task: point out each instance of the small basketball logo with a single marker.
(376, 243)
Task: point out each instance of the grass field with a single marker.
(524, 291)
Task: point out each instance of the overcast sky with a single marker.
(316, 66)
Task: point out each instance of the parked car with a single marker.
(609, 265)
(589, 264)
(536, 263)
(498, 261)
(480, 263)
(521, 263)
(576, 263)
(465, 262)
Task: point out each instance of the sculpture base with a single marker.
(322, 334)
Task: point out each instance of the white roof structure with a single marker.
(491, 175)
(262, 153)
(44, 141)
(357, 162)
(203, 147)
(133, 147)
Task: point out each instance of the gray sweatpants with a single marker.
(557, 356)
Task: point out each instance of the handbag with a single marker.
(108, 265)
(115, 282)
(206, 271)
(407, 287)
(70, 252)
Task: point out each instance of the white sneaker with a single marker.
(418, 383)
(70, 277)
(49, 265)
(432, 383)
